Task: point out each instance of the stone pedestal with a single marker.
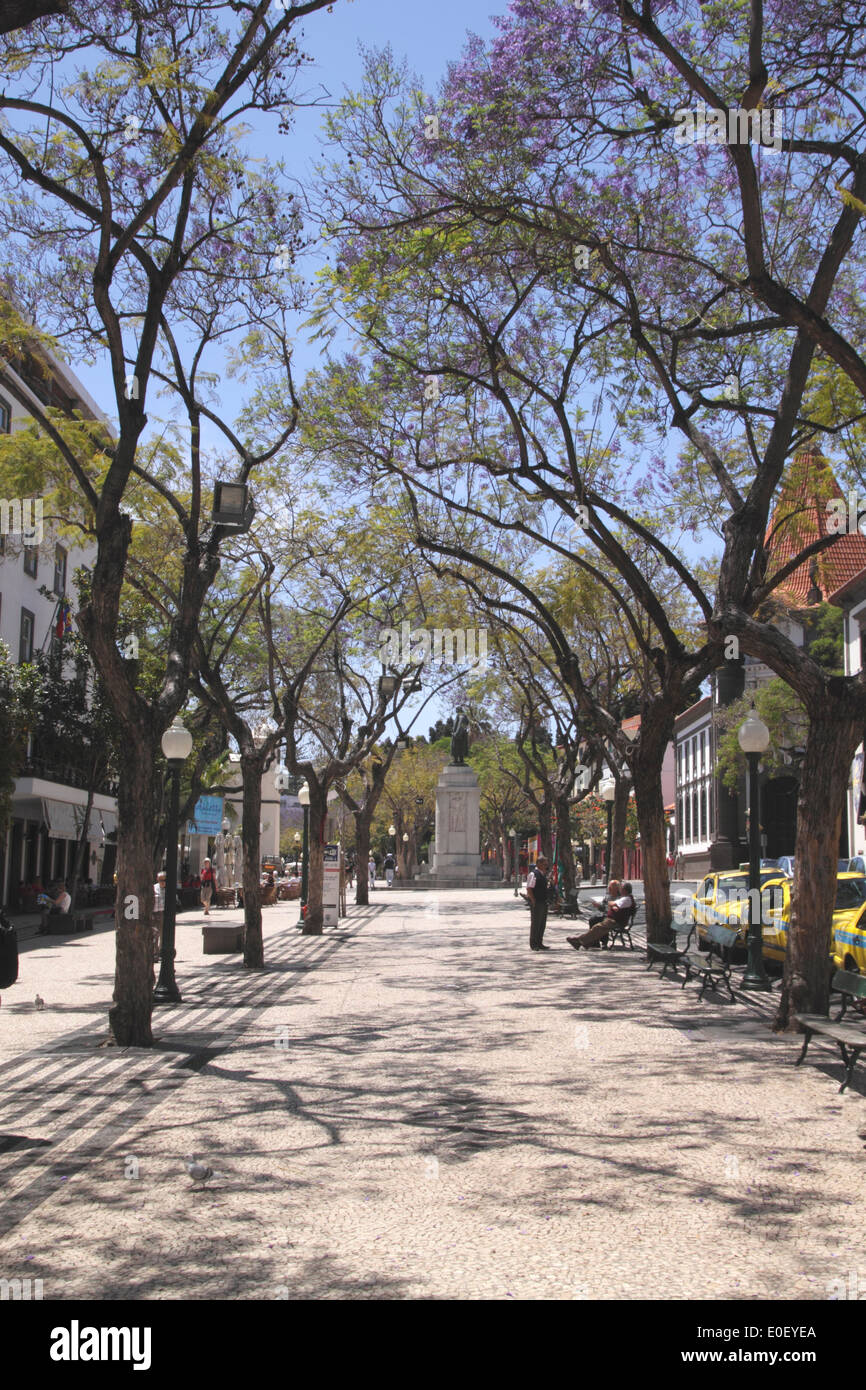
(457, 857)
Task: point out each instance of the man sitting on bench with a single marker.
(62, 904)
(619, 905)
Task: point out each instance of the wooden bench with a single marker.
(669, 952)
(222, 938)
(852, 989)
(82, 919)
(225, 897)
(619, 931)
(850, 1040)
(710, 971)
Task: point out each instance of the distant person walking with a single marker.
(206, 886)
(371, 870)
(389, 869)
(536, 892)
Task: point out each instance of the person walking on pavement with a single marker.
(206, 889)
(536, 892)
(371, 870)
(389, 869)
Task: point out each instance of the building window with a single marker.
(696, 828)
(59, 571)
(703, 813)
(5, 417)
(31, 560)
(25, 640)
(688, 835)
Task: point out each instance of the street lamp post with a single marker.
(513, 833)
(608, 794)
(754, 739)
(304, 799)
(392, 831)
(176, 746)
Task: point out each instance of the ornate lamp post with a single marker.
(304, 798)
(392, 831)
(406, 852)
(753, 737)
(176, 746)
(297, 844)
(608, 795)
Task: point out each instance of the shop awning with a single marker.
(65, 820)
(109, 823)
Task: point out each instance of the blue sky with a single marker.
(429, 36)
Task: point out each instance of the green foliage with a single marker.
(21, 694)
(784, 716)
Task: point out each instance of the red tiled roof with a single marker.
(800, 517)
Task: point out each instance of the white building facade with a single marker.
(51, 793)
(852, 600)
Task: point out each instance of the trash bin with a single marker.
(8, 952)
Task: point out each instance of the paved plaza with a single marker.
(416, 1106)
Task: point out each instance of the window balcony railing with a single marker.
(65, 774)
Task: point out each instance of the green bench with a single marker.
(619, 931)
(850, 1040)
(669, 952)
(851, 987)
(711, 972)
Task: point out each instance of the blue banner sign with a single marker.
(208, 816)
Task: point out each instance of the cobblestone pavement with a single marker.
(416, 1106)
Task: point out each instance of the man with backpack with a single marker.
(389, 868)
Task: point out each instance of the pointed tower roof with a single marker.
(801, 517)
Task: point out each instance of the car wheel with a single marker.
(851, 964)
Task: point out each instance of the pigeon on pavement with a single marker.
(40, 1002)
(200, 1172)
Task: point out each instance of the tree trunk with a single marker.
(81, 847)
(620, 814)
(363, 818)
(314, 920)
(564, 855)
(251, 775)
(833, 736)
(645, 766)
(133, 979)
(545, 826)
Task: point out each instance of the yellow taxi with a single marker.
(849, 923)
(718, 902)
(724, 898)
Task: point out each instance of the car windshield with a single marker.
(732, 884)
(850, 892)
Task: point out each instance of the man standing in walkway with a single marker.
(536, 892)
